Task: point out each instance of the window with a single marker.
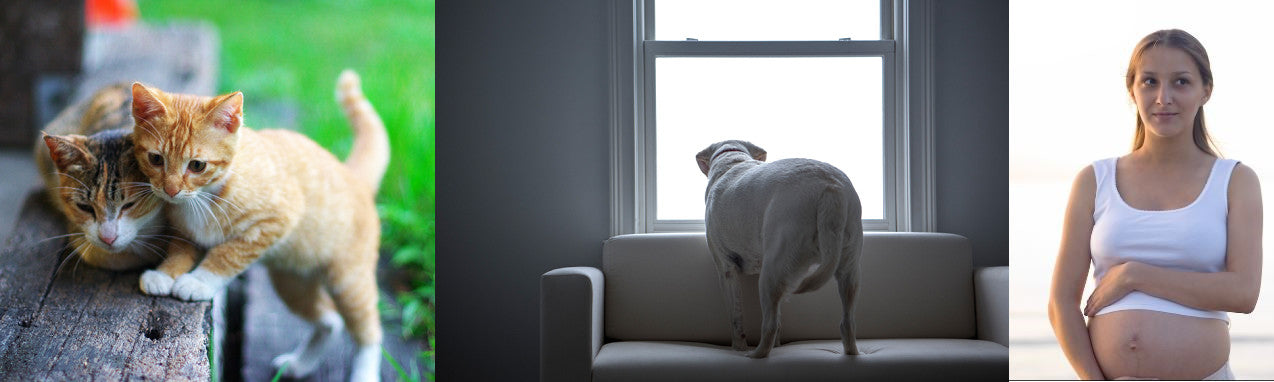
(821, 79)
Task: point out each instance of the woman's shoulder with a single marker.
(1085, 182)
(1244, 179)
(1098, 168)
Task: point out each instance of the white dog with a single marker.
(795, 221)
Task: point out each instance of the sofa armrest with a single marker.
(991, 290)
(570, 323)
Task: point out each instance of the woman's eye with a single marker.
(196, 166)
(128, 205)
(85, 207)
(1148, 81)
(156, 159)
(1182, 81)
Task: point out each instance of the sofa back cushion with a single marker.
(665, 287)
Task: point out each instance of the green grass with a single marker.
(293, 50)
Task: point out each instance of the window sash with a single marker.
(648, 130)
(646, 10)
(907, 130)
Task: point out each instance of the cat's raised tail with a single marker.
(369, 156)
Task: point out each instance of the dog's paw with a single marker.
(195, 286)
(156, 283)
(739, 345)
(759, 353)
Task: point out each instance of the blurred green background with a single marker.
(285, 57)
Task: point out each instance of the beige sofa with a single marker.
(654, 312)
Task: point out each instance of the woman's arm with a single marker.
(1069, 275)
(1233, 290)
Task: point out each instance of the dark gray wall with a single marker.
(971, 124)
(523, 144)
(523, 171)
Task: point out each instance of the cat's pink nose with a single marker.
(107, 238)
(171, 191)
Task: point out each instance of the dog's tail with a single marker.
(369, 156)
(832, 217)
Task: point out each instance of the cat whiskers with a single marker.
(222, 200)
(204, 210)
(136, 185)
(207, 205)
(142, 242)
(77, 180)
(143, 190)
(59, 237)
(170, 237)
(74, 190)
(76, 252)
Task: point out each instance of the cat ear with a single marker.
(146, 105)
(66, 151)
(228, 112)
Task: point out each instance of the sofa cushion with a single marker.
(664, 287)
(882, 360)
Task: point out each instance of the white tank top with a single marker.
(1190, 238)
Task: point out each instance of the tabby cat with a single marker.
(93, 180)
(276, 197)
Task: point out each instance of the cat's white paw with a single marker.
(156, 283)
(199, 285)
(294, 365)
(190, 288)
(366, 366)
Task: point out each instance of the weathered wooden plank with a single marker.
(61, 320)
(84, 323)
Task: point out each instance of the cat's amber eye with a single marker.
(85, 207)
(196, 166)
(155, 159)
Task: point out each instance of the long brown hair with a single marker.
(1179, 39)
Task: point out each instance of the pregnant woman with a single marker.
(1173, 232)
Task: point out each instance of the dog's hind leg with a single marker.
(730, 287)
(772, 286)
(847, 283)
(729, 267)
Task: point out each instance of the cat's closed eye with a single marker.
(85, 207)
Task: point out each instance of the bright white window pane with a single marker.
(826, 108)
(768, 20)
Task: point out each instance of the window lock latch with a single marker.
(691, 39)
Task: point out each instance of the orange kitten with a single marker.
(86, 158)
(277, 197)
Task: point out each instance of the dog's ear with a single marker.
(703, 158)
(756, 152)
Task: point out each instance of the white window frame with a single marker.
(904, 49)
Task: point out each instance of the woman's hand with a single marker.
(1116, 284)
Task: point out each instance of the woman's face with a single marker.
(1168, 91)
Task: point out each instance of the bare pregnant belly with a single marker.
(1150, 344)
